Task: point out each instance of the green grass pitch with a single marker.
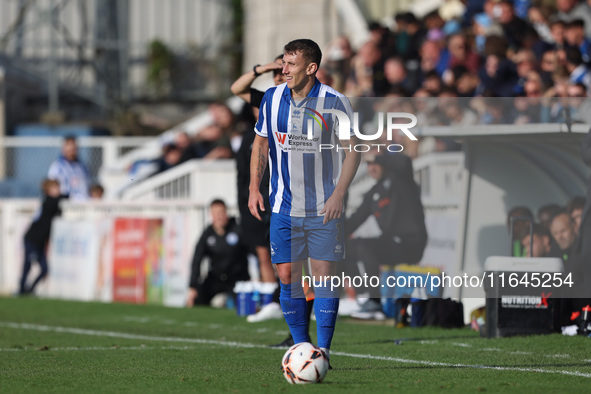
(59, 346)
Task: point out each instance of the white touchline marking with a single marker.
(74, 348)
(438, 364)
(461, 344)
(123, 335)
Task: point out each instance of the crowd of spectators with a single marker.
(478, 62)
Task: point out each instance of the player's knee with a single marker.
(284, 273)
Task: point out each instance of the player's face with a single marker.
(295, 70)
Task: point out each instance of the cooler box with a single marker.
(512, 308)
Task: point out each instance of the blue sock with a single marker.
(326, 306)
(293, 305)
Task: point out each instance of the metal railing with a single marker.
(25, 160)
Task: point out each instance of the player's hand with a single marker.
(333, 208)
(256, 202)
(192, 294)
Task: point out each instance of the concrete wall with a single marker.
(269, 25)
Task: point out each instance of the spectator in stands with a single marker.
(171, 156)
(222, 243)
(465, 81)
(562, 228)
(526, 63)
(579, 73)
(497, 76)
(214, 141)
(339, 54)
(574, 35)
(575, 210)
(515, 29)
(37, 236)
(483, 27)
(432, 83)
(460, 54)
(184, 143)
(557, 27)
(395, 75)
(578, 105)
(546, 213)
(394, 204)
(96, 191)
(408, 36)
(541, 246)
(365, 64)
(538, 16)
(430, 54)
(518, 221)
(70, 172)
(548, 65)
(574, 9)
(324, 76)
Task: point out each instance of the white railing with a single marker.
(197, 180)
(27, 159)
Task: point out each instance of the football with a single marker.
(304, 363)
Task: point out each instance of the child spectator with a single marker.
(37, 236)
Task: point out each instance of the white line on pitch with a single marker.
(74, 348)
(123, 335)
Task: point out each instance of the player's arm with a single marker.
(241, 87)
(333, 208)
(258, 163)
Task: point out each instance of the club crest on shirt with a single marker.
(232, 238)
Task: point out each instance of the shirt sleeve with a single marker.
(343, 104)
(53, 172)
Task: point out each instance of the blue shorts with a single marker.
(296, 238)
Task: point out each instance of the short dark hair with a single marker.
(217, 201)
(577, 202)
(539, 230)
(309, 49)
(573, 55)
(550, 209)
(576, 23)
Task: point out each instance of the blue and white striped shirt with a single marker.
(72, 176)
(303, 176)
